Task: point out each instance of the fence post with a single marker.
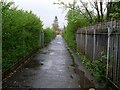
(77, 41)
(108, 47)
(43, 39)
(94, 43)
(40, 38)
(81, 36)
(86, 41)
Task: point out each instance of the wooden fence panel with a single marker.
(89, 48)
(103, 37)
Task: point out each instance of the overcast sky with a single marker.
(45, 9)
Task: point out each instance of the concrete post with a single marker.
(108, 47)
(94, 43)
(86, 36)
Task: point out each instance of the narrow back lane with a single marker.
(51, 68)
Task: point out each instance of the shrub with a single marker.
(20, 34)
(97, 67)
(48, 35)
(75, 21)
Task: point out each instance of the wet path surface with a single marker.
(51, 68)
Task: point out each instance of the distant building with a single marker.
(55, 26)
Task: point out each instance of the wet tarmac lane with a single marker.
(51, 68)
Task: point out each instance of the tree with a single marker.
(82, 9)
(113, 10)
(55, 24)
(95, 10)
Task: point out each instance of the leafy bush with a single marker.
(48, 35)
(20, 34)
(75, 21)
(97, 67)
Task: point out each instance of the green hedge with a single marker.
(75, 21)
(20, 34)
(48, 35)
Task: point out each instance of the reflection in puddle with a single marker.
(46, 51)
(58, 42)
(26, 75)
(51, 53)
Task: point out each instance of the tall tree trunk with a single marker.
(89, 14)
(109, 6)
(101, 9)
(97, 9)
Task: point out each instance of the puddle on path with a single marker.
(52, 53)
(34, 64)
(84, 81)
(58, 42)
(46, 51)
